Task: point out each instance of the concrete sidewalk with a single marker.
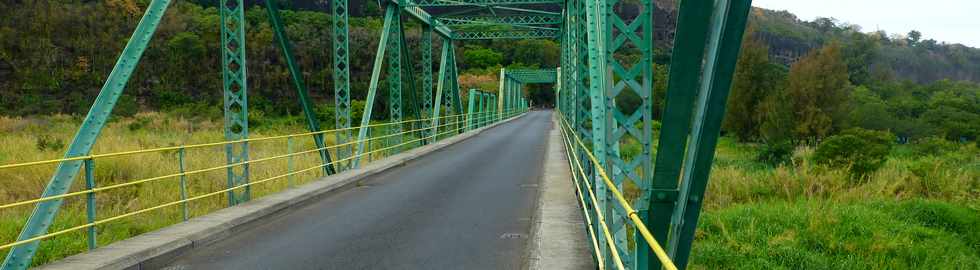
(559, 238)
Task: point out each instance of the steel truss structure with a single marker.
(666, 188)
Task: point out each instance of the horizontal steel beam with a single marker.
(423, 16)
(450, 3)
(548, 34)
(503, 20)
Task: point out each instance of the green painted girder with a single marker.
(20, 257)
(341, 78)
(426, 47)
(440, 86)
(501, 20)
(632, 77)
(235, 88)
(451, 3)
(683, 81)
(362, 132)
(523, 34)
(728, 27)
(395, 101)
(424, 17)
(312, 124)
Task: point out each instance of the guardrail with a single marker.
(581, 180)
(456, 124)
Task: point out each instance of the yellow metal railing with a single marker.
(571, 139)
(458, 120)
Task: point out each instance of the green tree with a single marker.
(476, 57)
(818, 88)
(860, 151)
(755, 78)
(868, 111)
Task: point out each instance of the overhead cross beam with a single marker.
(451, 3)
(530, 34)
(509, 19)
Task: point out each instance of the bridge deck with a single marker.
(468, 206)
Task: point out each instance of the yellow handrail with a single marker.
(630, 212)
(190, 146)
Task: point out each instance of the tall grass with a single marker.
(918, 211)
(43, 138)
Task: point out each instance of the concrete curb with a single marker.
(153, 250)
(558, 236)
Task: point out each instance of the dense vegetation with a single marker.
(841, 149)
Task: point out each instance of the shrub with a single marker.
(860, 151)
(775, 153)
(932, 146)
(46, 142)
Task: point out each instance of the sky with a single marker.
(950, 21)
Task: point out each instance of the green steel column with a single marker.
(426, 47)
(595, 20)
(341, 79)
(470, 109)
(362, 131)
(455, 102)
(438, 103)
(235, 96)
(287, 52)
(500, 93)
(728, 28)
(409, 69)
(688, 56)
(631, 78)
(395, 82)
(44, 213)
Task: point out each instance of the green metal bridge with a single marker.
(641, 209)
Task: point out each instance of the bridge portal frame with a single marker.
(592, 35)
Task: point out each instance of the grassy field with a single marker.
(919, 211)
(43, 138)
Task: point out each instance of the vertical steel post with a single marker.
(395, 101)
(43, 214)
(235, 86)
(312, 124)
(90, 202)
(341, 78)
(438, 103)
(480, 108)
(595, 20)
(390, 11)
(181, 156)
(426, 47)
(727, 30)
(501, 93)
(470, 109)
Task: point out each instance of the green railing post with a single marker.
(90, 202)
(289, 161)
(183, 182)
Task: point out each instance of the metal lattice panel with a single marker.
(531, 34)
(235, 96)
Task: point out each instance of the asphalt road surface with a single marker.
(467, 206)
